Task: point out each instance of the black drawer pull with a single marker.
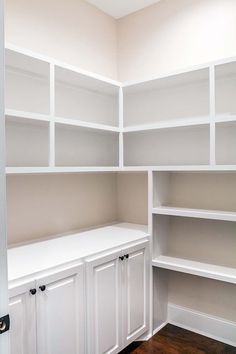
(121, 258)
(42, 287)
(33, 291)
(127, 256)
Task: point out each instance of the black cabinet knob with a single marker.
(42, 287)
(127, 256)
(33, 291)
(121, 258)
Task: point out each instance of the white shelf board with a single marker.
(43, 58)
(66, 121)
(179, 71)
(26, 115)
(169, 124)
(205, 270)
(221, 118)
(74, 169)
(83, 124)
(45, 170)
(196, 213)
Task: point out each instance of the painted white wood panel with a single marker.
(135, 293)
(104, 304)
(60, 318)
(23, 319)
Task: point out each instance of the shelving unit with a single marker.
(194, 234)
(59, 118)
(149, 132)
(181, 128)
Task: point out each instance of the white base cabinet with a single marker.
(117, 286)
(51, 321)
(23, 319)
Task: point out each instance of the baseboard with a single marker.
(157, 329)
(207, 325)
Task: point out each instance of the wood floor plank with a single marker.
(175, 340)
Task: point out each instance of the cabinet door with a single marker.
(135, 292)
(23, 319)
(60, 317)
(103, 304)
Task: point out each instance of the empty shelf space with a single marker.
(226, 143)
(225, 88)
(27, 142)
(84, 98)
(195, 213)
(196, 268)
(174, 146)
(76, 146)
(27, 83)
(212, 194)
(149, 102)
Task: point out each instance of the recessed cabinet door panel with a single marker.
(58, 314)
(23, 321)
(103, 306)
(135, 294)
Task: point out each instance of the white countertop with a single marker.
(30, 259)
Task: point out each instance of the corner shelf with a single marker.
(206, 270)
(195, 213)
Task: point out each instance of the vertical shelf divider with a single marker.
(212, 116)
(121, 127)
(52, 116)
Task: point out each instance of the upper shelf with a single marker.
(159, 121)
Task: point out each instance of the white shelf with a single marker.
(168, 124)
(205, 270)
(66, 121)
(67, 169)
(196, 213)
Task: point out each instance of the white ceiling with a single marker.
(120, 8)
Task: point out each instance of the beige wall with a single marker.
(41, 206)
(175, 34)
(169, 35)
(72, 31)
(132, 196)
(46, 205)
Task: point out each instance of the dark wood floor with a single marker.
(175, 340)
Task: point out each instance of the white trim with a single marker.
(204, 324)
(157, 329)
